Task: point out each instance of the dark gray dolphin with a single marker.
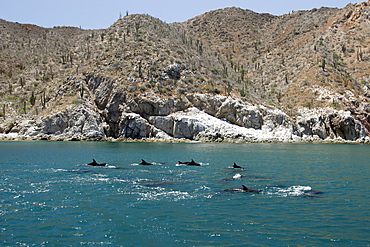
(144, 163)
(191, 163)
(94, 163)
(236, 166)
(312, 193)
(243, 189)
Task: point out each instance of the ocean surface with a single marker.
(310, 194)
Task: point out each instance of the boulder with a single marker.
(174, 71)
(102, 89)
(208, 103)
(240, 114)
(329, 124)
(152, 105)
(80, 122)
(134, 126)
(346, 127)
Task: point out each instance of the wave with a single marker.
(161, 194)
(291, 191)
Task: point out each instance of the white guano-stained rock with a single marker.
(80, 122)
(212, 118)
(197, 125)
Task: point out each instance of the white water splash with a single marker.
(162, 194)
(288, 191)
(237, 176)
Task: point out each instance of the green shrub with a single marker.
(77, 101)
(213, 90)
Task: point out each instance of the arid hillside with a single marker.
(142, 53)
(309, 60)
(314, 58)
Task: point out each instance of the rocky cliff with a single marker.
(228, 75)
(199, 117)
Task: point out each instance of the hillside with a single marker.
(314, 58)
(302, 76)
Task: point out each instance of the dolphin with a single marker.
(312, 193)
(191, 163)
(143, 162)
(94, 163)
(243, 189)
(236, 166)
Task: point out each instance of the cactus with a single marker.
(24, 106)
(21, 81)
(32, 99)
(82, 90)
(3, 113)
(323, 64)
(43, 100)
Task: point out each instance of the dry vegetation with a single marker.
(310, 59)
(291, 59)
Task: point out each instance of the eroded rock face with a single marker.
(154, 106)
(240, 114)
(56, 124)
(102, 88)
(179, 126)
(331, 125)
(80, 122)
(215, 118)
(346, 127)
(134, 126)
(208, 103)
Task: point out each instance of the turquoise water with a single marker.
(48, 197)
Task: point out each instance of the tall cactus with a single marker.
(32, 99)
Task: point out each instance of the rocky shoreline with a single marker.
(196, 118)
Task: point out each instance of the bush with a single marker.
(77, 101)
(190, 80)
(243, 92)
(308, 104)
(335, 104)
(213, 90)
(181, 90)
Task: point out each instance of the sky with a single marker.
(97, 14)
